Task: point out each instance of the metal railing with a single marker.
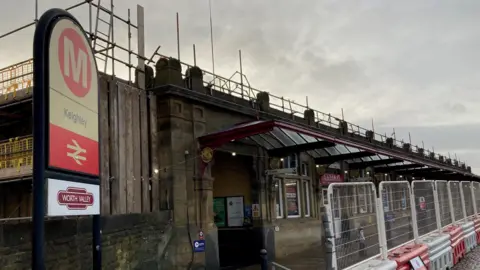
(429, 206)
(16, 77)
(276, 266)
(19, 76)
(16, 153)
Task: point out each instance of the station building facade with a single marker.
(227, 166)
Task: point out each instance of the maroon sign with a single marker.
(329, 178)
(75, 198)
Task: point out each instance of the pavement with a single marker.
(470, 262)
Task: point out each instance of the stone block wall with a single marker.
(134, 241)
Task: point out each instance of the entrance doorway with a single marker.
(239, 243)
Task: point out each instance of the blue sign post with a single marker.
(199, 246)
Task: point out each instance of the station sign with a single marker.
(73, 101)
(66, 129)
(66, 198)
(66, 156)
(330, 178)
(281, 171)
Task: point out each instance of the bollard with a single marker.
(263, 256)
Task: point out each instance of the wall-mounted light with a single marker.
(368, 173)
(346, 172)
(317, 165)
(234, 154)
(413, 178)
(281, 159)
(155, 171)
(386, 174)
(401, 176)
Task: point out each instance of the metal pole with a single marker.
(178, 38)
(90, 21)
(36, 11)
(141, 47)
(97, 242)
(343, 118)
(211, 37)
(373, 127)
(113, 39)
(409, 138)
(129, 49)
(241, 71)
(194, 56)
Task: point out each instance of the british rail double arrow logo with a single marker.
(77, 154)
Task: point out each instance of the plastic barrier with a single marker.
(469, 235)
(404, 254)
(456, 241)
(376, 264)
(476, 222)
(439, 250)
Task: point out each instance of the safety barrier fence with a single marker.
(401, 223)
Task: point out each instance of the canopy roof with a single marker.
(282, 138)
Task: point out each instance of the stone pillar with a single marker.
(175, 154)
(263, 101)
(149, 78)
(309, 115)
(204, 190)
(264, 194)
(194, 79)
(168, 71)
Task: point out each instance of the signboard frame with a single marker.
(41, 113)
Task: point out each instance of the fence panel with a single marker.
(466, 188)
(424, 198)
(444, 203)
(353, 210)
(456, 199)
(476, 196)
(397, 212)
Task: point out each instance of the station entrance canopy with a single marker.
(281, 139)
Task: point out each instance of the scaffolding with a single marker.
(102, 36)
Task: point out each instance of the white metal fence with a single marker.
(366, 222)
(397, 211)
(353, 222)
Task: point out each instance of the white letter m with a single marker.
(79, 66)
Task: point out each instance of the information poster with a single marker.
(219, 212)
(235, 211)
(291, 192)
(248, 215)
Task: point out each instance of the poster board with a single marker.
(230, 212)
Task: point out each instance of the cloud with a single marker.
(406, 64)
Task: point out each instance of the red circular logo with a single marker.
(75, 64)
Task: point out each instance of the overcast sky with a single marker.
(409, 65)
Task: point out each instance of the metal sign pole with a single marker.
(66, 129)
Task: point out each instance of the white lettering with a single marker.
(69, 198)
(78, 66)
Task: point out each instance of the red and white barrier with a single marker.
(404, 254)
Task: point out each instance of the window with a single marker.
(279, 202)
(304, 169)
(325, 196)
(306, 197)
(292, 198)
(290, 162)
